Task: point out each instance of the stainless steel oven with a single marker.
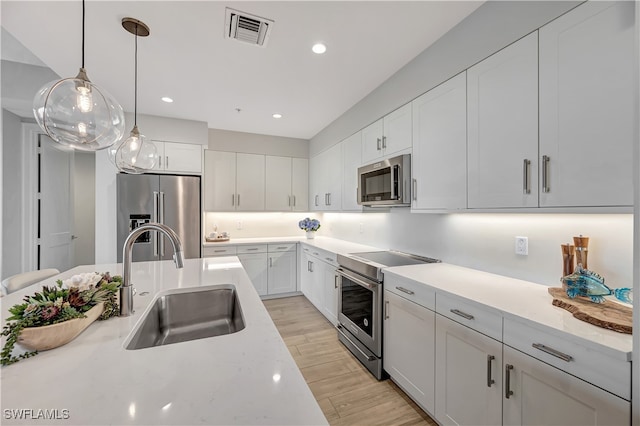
(360, 302)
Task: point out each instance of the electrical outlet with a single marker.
(522, 246)
(239, 225)
(361, 228)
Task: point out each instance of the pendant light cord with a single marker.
(135, 79)
(82, 33)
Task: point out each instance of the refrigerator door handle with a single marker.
(161, 220)
(154, 235)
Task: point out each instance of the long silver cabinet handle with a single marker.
(490, 380)
(384, 142)
(545, 173)
(462, 314)
(335, 280)
(233, 199)
(507, 381)
(551, 351)
(252, 249)
(525, 176)
(369, 357)
(271, 262)
(289, 200)
(294, 201)
(379, 141)
(386, 309)
(238, 200)
(166, 161)
(414, 189)
(316, 200)
(404, 290)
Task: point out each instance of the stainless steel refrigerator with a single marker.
(172, 200)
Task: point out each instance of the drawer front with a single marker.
(411, 290)
(220, 251)
(554, 348)
(252, 248)
(325, 256)
(275, 248)
(476, 316)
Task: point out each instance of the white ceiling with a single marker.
(187, 57)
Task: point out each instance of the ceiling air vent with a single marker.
(247, 28)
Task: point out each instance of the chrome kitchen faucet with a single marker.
(126, 291)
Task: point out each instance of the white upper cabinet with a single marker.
(234, 181)
(351, 160)
(326, 180)
(388, 135)
(250, 170)
(587, 108)
(439, 165)
(287, 181)
(179, 157)
(219, 180)
(278, 183)
(502, 108)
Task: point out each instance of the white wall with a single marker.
(486, 241)
(11, 194)
(84, 198)
(251, 143)
(269, 224)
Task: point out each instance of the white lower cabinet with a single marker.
(282, 272)
(539, 394)
(409, 350)
(468, 376)
(254, 264)
(319, 284)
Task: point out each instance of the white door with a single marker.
(502, 108)
(372, 142)
(278, 183)
(543, 395)
(351, 160)
(587, 111)
(219, 181)
(255, 265)
(282, 272)
(300, 184)
(182, 157)
(439, 161)
(468, 379)
(397, 130)
(409, 354)
(250, 185)
(333, 171)
(55, 215)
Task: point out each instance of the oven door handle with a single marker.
(359, 281)
(368, 357)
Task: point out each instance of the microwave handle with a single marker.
(395, 177)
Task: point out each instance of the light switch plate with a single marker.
(522, 246)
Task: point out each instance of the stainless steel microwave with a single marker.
(385, 182)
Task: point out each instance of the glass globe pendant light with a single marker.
(136, 154)
(77, 113)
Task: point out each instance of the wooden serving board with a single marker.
(610, 315)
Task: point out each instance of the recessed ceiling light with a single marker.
(276, 115)
(167, 99)
(319, 48)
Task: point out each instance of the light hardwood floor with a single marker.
(347, 393)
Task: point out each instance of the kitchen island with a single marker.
(248, 377)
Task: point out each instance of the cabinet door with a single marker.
(278, 183)
(330, 290)
(160, 164)
(587, 106)
(282, 272)
(397, 130)
(439, 165)
(372, 142)
(250, 182)
(256, 267)
(300, 184)
(468, 379)
(333, 172)
(502, 119)
(351, 160)
(182, 157)
(219, 180)
(315, 283)
(540, 394)
(316, 182)
(409, 348)
(306, 277)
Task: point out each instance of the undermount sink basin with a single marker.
(188, 314)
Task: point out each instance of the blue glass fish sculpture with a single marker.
(584, 282)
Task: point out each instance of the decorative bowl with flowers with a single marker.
(57, 314)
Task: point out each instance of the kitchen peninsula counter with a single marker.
(248, 377)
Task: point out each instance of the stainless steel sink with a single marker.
(187, 314)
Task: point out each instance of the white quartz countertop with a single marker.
(333, 245)
(248, 377)
(516, 299)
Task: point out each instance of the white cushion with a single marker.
(20, 281)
